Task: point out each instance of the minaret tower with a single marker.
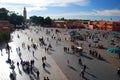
(25, 14)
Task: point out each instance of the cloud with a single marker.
(48, 2)
(113, 12)
(39, 4)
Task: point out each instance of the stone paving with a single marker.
(52, 70)
(57, 67)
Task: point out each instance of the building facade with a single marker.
(105, 25)
(71, 23)
(5, 25)
(101, 24)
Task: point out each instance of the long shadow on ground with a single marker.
(71, 67)
(91, 74)
(86, 56)
(47, 71)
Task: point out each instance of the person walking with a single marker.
(89, 45)
(44, 78)
(68, 62)
(1, 52)
(45, 58)
(118, 71)
(11, 76)
(47, 78)
(18, 64)
(45, 49)
(80, 61)
(42, 59)
(38, 74)
(33, 53)
(82, 73)
(20, 54)
(84, 67)
(43, 65)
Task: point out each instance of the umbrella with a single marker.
(113, 39)
(95, 41)
(77, 35)
(117, 45)
(114, 50)
(116, 34)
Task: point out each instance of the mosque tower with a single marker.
(25, 14)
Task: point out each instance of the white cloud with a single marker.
(47, 2)
(39, 4)
(114, 12)
(91, 13)
(18, 5)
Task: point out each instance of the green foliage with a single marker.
(13, 17)
(48, 21)
(61, 18)
(37, 20)
(33, 19)
(4, 36)
(16, 19)
(40, 20)
(3, 14)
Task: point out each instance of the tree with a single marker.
(16, 19)
(3, 14)
(62, 18)
(19, 20)
(37, 20)
(33, 19)
(41, 21)
(4, 36)
(11, 16)
(48, 21)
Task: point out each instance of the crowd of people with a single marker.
(47, 46)
(95, 54)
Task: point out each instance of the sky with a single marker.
(69, 9)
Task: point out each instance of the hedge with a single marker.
(4, 36)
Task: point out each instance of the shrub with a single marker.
(4, 36)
